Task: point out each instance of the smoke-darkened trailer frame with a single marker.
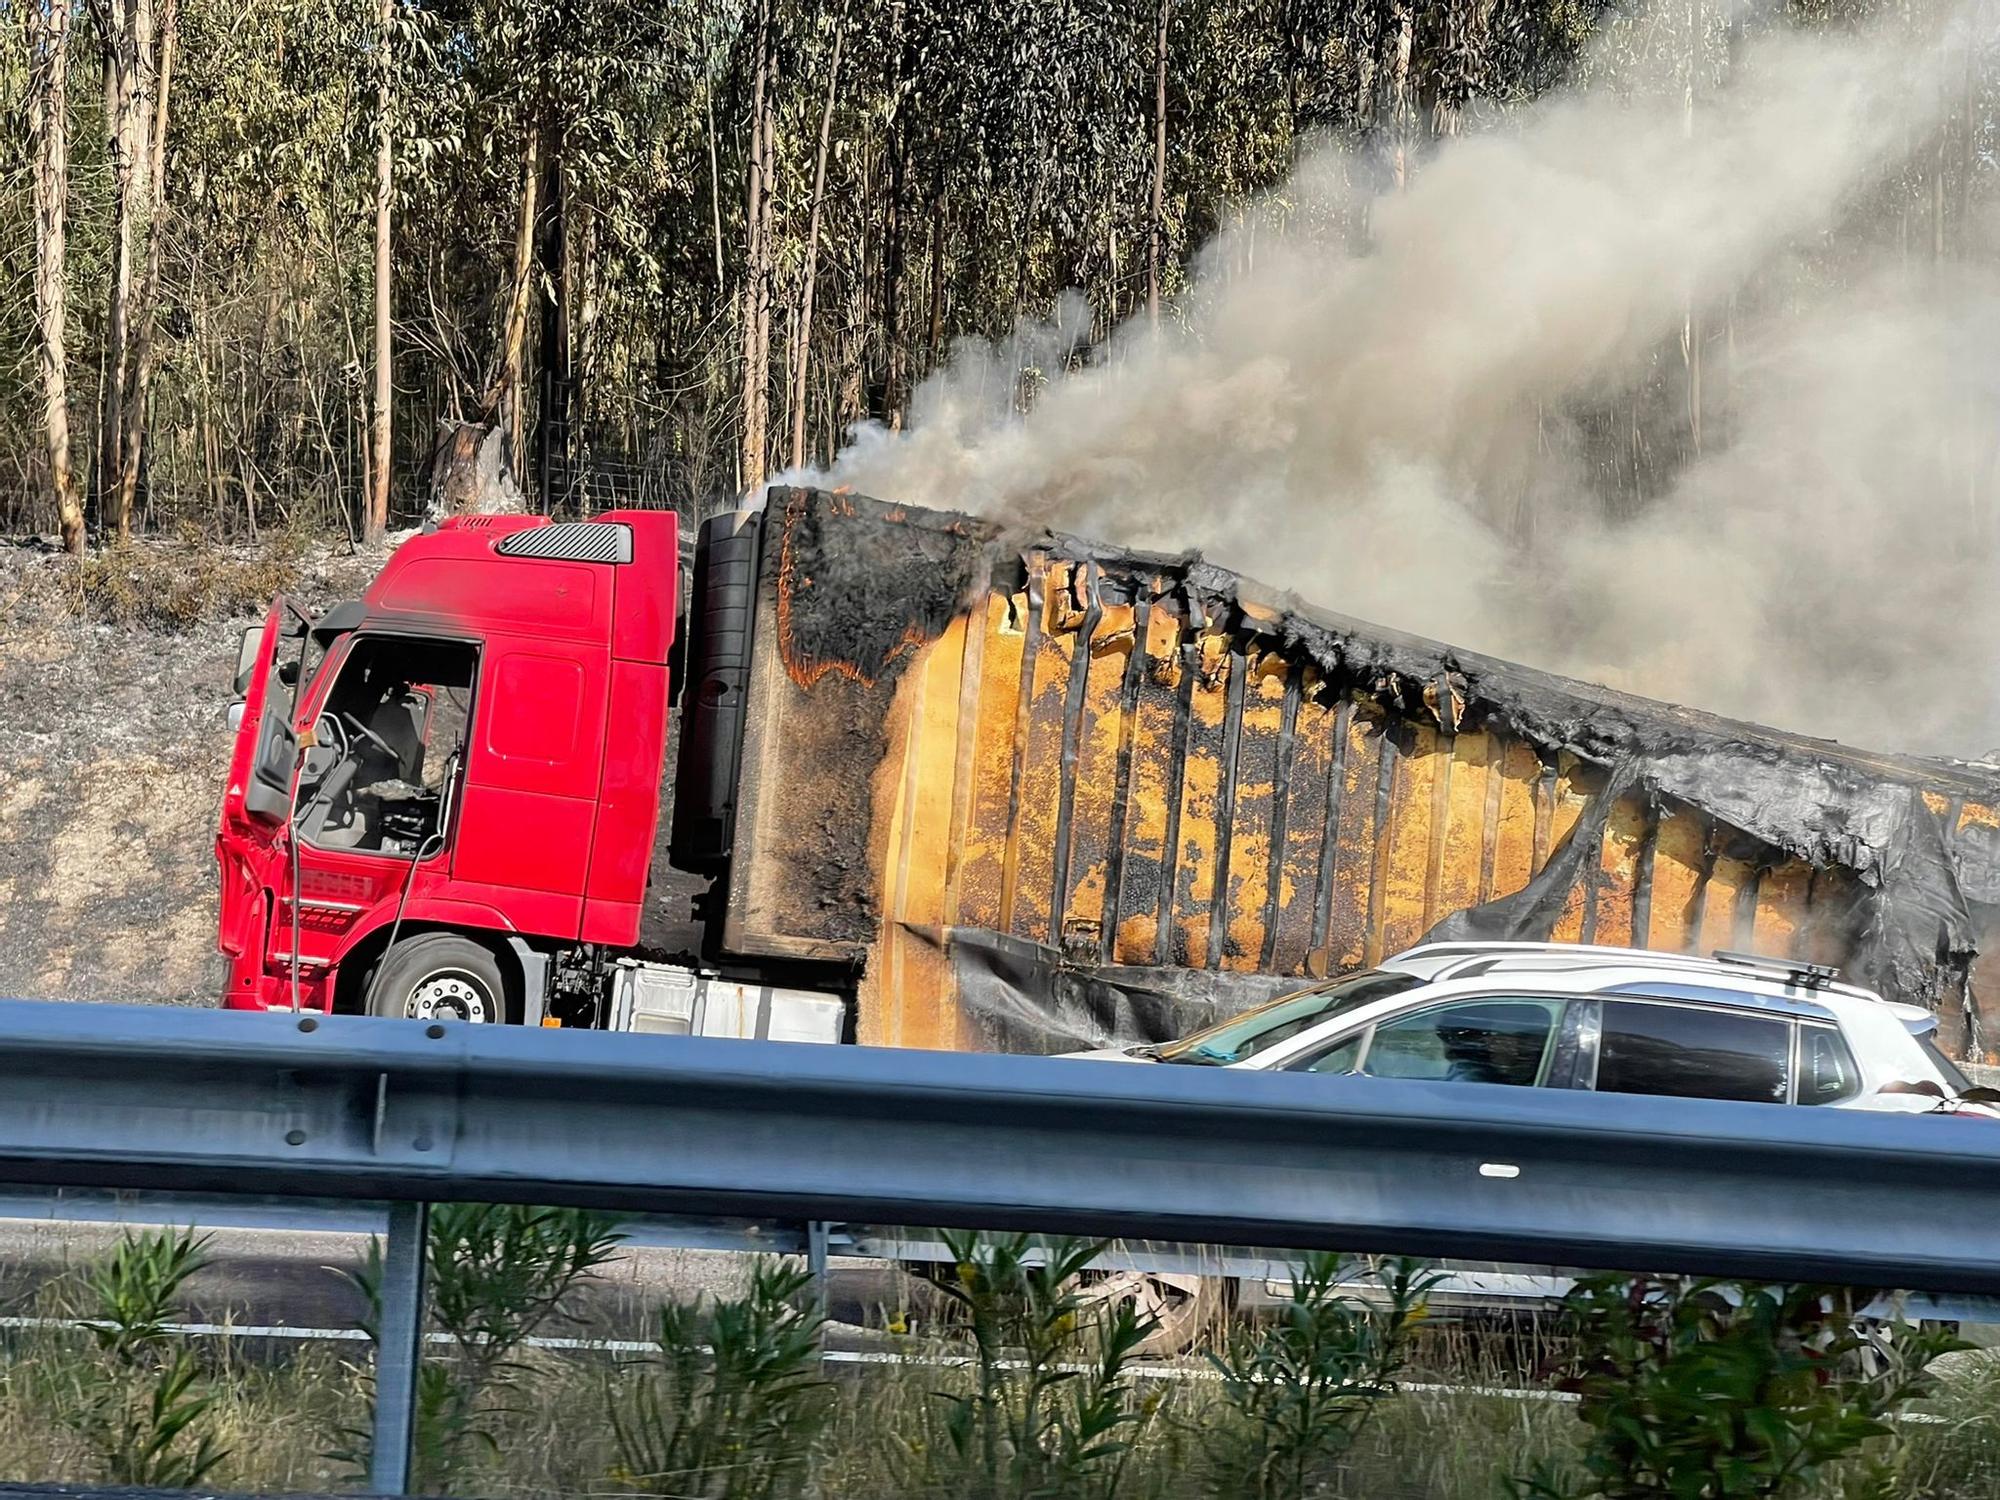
(1048, 792)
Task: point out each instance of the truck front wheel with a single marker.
(439, 977)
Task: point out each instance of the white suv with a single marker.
(1627, 1021)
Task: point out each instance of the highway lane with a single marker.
(298, 1278)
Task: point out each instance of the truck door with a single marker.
(257, 794)
(375, 792)
(532, 781)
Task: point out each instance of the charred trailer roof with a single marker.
(1050, 793)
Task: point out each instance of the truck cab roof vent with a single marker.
(498, 521)
(572, 541)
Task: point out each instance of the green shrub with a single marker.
(1705, 1390)
(1051, 1410)
(1300, 1388)
(732, 1406)
(497, 1274)
(142, 1409)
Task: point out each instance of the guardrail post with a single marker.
(399, 1347)
(816, 1239)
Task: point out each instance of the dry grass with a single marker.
(272, 1415)
(1956, 1457)
(172, 585)
(281, 1413)
(282, 1410)
(175, 586)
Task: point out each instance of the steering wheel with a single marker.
(369, 735)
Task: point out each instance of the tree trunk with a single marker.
(802, 344)
(1402, 112)
(767, 274)
(116, 24)
(581, 298)
(131, 214)
(1691, 332)
(146, 308)
(891, 405)
(48, 130)
(552, 439)
(503, 391)
(1466, 28)
(1024, 235)
(144, 67)
(756, 333)
(887, 400)
(852, 403)
(934, 343)
(715, 193)
(1155, 229)
(375, 515)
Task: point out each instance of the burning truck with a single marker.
(934, 783)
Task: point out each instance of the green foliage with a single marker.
(1690, 1391)
(1301, 1387)
(986, 159)
(499, 1272)
(1052, 1410)
(141, 1407)
(1017, 137)
(1705, 1390)
(496, 1275)
(732, 1405)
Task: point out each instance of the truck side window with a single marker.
(389, 731)
(1693, 1052)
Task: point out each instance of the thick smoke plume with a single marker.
(1421, 421)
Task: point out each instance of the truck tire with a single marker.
(439, 977)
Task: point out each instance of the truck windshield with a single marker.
(1279, 1020)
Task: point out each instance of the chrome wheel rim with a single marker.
(451, 995)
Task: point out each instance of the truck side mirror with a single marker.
(236, 715)
(246, 658)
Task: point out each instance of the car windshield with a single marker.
(1280, 1020)
(1956, 1081)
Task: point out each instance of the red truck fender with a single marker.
(423, 914)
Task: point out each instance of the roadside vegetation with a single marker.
(1025, 1386)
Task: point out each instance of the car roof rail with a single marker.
(1811, 976)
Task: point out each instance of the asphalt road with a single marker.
(299, 1279)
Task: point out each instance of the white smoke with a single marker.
(1392, 424)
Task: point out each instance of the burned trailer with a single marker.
(1044, 794)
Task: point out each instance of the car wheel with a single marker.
(1187, 1312)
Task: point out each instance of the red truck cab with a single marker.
(438, 790)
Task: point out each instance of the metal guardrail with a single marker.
(352, 1108)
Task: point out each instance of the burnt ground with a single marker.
(114, 682)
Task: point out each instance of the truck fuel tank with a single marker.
(669, 1000)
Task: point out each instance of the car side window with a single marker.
(1339, 1058)
(1494, 1039)
(1693, 1052)
(1827, 1073)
